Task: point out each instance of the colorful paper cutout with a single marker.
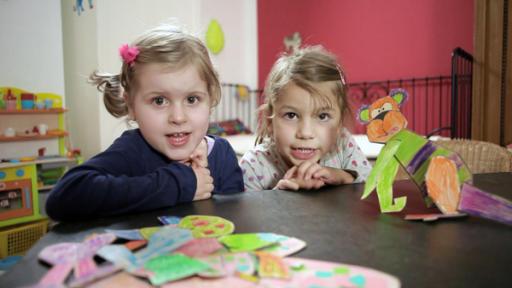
(167, 268)
(229, 264)
(247, 241)
(121, 279)
(147, 232)
(285, 245)
(271, 266)
(203, 226)
(305, 273)
(200, 247)
(438, 173)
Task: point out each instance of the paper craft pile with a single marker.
(196, 251)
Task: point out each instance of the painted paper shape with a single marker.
(204, 226)
(229, 264)
(165, 268)
(438, 172)
(284, 246)
(247, 241)
(306, 273)
(200, 247)
(271, 266)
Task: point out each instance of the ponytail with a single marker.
(110, 86)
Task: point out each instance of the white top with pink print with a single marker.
(263, 167)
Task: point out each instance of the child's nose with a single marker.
(177, 115)
(305, 130)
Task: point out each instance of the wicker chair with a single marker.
(481, 157)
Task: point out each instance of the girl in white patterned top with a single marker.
(301, 141)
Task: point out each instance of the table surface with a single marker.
(339, 227)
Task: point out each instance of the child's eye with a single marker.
(192, 99)
(324, 116)
(290, 115)
(160, 100)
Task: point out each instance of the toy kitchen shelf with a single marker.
(34, 150)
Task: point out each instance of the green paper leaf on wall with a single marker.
(215, 37)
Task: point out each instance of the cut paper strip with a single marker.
(229, 264)
(204, 226)
(247, 241)
(169, 220)
(165, 268)
(132, 234)
(200, 247)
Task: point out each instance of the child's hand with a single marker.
(333, 176)
(299, 177)
(198, 157)
(204, 186)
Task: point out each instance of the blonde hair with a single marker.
(167, 45)
(305, 68)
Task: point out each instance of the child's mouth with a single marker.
(178, 139)
(303, 153)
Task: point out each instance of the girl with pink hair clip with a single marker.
(168, 86)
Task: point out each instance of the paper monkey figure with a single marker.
(441, 175)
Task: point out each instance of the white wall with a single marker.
(31, 45)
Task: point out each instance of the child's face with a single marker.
(172, 108)
(304, 129)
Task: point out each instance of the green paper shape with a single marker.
(244, 242)
(204, 226)
(382, 176)
(167, 268)
(364, 115)
(215, 37)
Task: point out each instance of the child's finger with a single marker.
(289, 174)
(285, 184)
(303, 167)
(312, 170)
(321, 174)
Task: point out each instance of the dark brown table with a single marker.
(339, 227)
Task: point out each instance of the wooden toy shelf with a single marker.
(34, 111)
(50, 135)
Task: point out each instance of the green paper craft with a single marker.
(215, 37)
(203, 226)
(245, 242)
(441, 175)
(167, 268)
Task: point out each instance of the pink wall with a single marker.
(374, 39)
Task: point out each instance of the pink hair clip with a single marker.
(129, 54)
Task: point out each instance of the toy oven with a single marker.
(15, 199)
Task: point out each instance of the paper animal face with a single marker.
(384, 117)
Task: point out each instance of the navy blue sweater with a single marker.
(130, 176)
